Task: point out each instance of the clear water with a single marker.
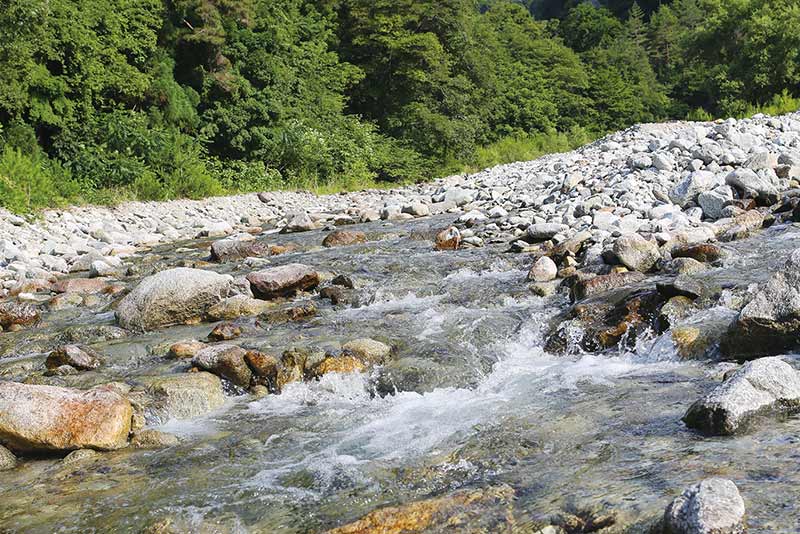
(476, 401)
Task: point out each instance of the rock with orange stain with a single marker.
(38, 418)
(466, 511)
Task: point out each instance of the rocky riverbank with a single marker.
(629, 301)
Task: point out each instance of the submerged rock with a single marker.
(184, 396)
(770, 322)
(474, 510)
(757, 388)
(171, 297)
(235, 307)
(600, 284)
(283, 281)
(153, 439)
(714, 506)
(49, 418)
(369, 350)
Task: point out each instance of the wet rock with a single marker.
(65, 301)
(343, 281)
(544, 289)
(473, 510)
(225, 332)
(171, 297)
(684, 286)
(448, 239)
(300, 312)
(265, 368)
(49, 418)
(368, 350)
(153, 439)
(690, 343)
(79, 357)
(336, 294)
(226, 361)
(16, 315)
(674, 309)
(237, 249)
(340, 238)
(81, 286)
(602, 283)
(185, 349)
(184, 396)
(636, 252)
(741, 226)
(298, 364)
(714, 506)
(344, 363)
(770, 322)
(7, 459)
(703, 252)
(684, 266)
(759, 387)
(543, 270)
(235, 307)
(283, 281)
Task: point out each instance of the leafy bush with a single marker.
(32, 182)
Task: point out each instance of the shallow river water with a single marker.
(469, 400)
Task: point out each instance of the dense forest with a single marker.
(102, 100)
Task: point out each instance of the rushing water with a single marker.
(473, 400)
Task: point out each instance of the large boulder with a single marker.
(283, 281)
(753, 184)
(759, 387)
(171, 297)
(713, 506)
(770, 322)
(37, 418)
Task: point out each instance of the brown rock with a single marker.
(346, 363)
(81, 286)
(465, 511)
(226, 361)
(225, 332)
(283, 281)
(705, 252)
(185, 349)
(339, 238)
(265, 368)
(448, 239)
(49, 418)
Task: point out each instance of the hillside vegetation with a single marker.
(102, 100)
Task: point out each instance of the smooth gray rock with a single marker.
(687, 189)
(172, 297)
(758, 387)
(543, 270)
(544, 231)
(753, 184)
(714, 506)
